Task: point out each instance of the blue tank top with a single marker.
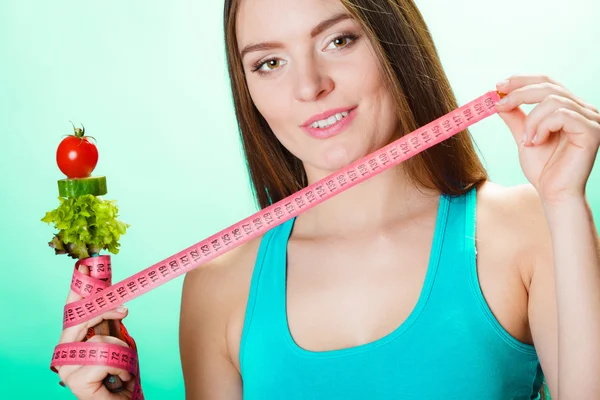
(449, 347)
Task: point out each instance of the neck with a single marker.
(367, 207)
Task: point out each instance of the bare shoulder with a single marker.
(213, 301)
(222, 277)
(513, 217)
(520, 202)
(519, 206)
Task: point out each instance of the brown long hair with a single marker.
(411, 68)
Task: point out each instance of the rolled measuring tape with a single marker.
(107, 298)
(89, 353)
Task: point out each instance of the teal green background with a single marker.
(148, 80)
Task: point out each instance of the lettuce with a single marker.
(86, 225)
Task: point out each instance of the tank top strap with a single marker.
(469, 216)
(453, 283)
(268, 281)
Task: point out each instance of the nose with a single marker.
(312, 81)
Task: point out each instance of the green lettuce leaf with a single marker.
(86, 225)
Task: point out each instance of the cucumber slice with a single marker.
(95, 185)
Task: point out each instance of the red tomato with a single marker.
(76, 156)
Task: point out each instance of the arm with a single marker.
(207, 368)
(577, 270)
(564, 299)
(558, 144)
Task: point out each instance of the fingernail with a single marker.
(502, 83)
(121, 309)
(80, 269)
(534, 139)
(524, 139)
(502, 101)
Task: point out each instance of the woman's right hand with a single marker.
(86, 381)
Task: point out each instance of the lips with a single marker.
(327, 124)
(326, 115)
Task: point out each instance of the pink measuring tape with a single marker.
(99, 297)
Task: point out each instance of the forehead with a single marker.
(264, 20)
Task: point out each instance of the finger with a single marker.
(93, 375)
(521, 80)
(548, 106)
(66, 372)
(571, 122)
(536, 93)
(72, 296)
(77, 333)
(515, 120)
(534, 89)
(107, 339)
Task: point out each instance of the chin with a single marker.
(338, 152)
(333, 159)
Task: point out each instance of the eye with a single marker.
(272, 63)
(268, 65)
(342, 41)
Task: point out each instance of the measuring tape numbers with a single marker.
(99, 297)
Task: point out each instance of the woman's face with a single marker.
(313, 76)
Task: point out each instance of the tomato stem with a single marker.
(80, 133)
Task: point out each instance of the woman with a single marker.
(424, 282)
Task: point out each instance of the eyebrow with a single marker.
(322, 26)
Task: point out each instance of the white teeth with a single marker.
(324, 123)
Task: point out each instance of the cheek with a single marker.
(269, 102)
(363, 72)
(377, 100)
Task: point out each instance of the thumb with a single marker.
(515, 120)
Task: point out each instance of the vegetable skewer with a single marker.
(86, 223)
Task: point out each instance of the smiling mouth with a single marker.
(331, 126)
(325, 123)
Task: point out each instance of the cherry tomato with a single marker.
(76, 156)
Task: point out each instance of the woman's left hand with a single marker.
(558, 140)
